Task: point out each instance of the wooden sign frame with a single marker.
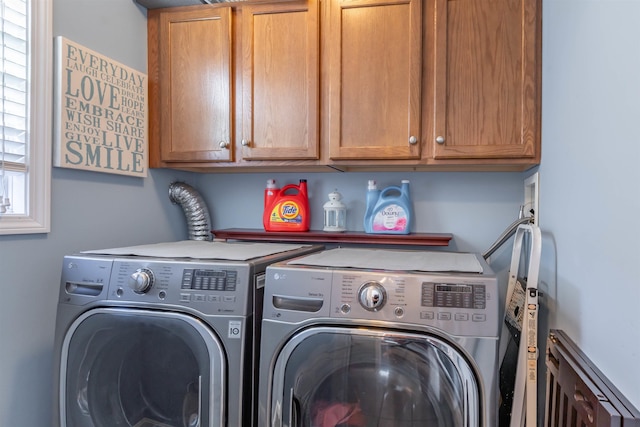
(100, 113)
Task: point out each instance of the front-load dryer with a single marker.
(161, 335)
(379, 338)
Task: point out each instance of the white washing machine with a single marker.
(161, 335)
(379, 338)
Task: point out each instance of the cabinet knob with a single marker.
(413, 140)
(440, 139)
(245, 143)
(224, 144)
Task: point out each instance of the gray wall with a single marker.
(89, 210)
(588, 183)
(475, 207)
(590, 175)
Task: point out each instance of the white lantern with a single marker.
(335, 213)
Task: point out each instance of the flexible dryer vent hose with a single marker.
(195, 210)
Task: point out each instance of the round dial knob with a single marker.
(372, 296)
(141, 280)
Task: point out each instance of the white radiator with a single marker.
(578, 394)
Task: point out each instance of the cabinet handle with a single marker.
(413, 140)
(224, 144)
(245, 143)
(440, 139)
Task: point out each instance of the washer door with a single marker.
(141, 368)
(329, 377)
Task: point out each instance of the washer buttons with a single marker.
(399, 311)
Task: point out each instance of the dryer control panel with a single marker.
(460, 304)
(454, 295)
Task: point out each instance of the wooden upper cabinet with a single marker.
(374, 78)
(391, 84)
(280, 81)
(486, 102)
(195, 68)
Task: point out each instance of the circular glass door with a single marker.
(338, 377)
(139, 368)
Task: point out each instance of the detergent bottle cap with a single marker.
(271, 183)
(372, 185)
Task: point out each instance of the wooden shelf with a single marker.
(351, 237)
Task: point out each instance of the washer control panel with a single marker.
(207, 287)
(209, 280)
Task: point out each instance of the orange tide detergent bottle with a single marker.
(286, 208)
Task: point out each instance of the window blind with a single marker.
(14, 85)
(14, 79)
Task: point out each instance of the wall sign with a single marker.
(100, 109)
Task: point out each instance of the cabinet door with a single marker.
(375, 54)
(487, 102)
(280, 81)
(195, 85)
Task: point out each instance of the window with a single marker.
(25, 115)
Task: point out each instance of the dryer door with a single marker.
(328, 377)
(141, 368)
